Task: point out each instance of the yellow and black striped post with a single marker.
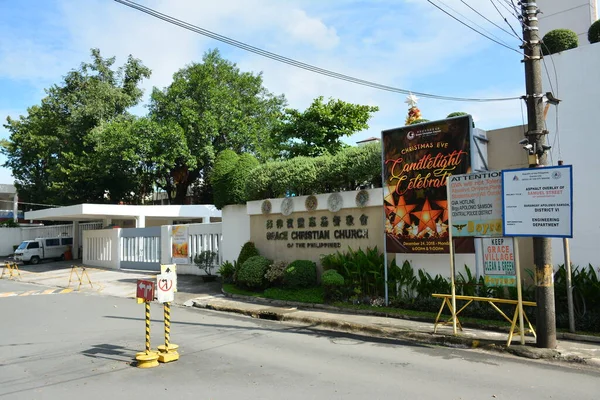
(168, 352)
(147, 358)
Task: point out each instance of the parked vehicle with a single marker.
(36, 250)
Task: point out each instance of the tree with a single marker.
(138, 154)
(218, 107)
(50, 151)
(319, 129)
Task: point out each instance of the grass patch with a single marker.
(231, 288)
(308, 295)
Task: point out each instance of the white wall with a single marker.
(574, 15)
(9, 237)
(236, 231)
(579, 134)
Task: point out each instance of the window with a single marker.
(66, 241)
(33, 245)
(52, 242)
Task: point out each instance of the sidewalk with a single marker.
(192, 291)
(571, 348)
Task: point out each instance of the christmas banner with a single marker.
(417, 160)
(179, 239)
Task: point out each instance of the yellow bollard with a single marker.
(148, 358)
(168, 351)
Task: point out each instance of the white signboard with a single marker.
(499, 265)
(170, 269)
(476, 204)
(165, 288)
(538, 202)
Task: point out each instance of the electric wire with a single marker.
(505, 20)
(490, 21)
(470, 27)
(473, 22)
(295, 63)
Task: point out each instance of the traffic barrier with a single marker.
(13, 270)
(168, 351)
(80, 276)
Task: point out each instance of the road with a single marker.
(55, 346)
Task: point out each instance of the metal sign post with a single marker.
(452, 268)
(165, 294)
(145, 293)
(519, 292)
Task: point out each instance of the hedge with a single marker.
(252, 272)
(594, 32)
(300, 274)
(559, 40)
(229, 177)
(347, 170)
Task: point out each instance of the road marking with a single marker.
(35, 292)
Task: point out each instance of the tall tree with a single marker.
(49, 149)
(218, 107)
(319, 129)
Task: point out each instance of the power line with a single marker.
(295, 63)
(505, 20)
(473, 22)
(468, 26)
(490, 21)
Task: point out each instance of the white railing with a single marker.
(101, 248)
(200, 237)
(58, 230)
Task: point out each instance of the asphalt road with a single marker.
(79, 345)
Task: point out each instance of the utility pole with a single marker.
(537, 152)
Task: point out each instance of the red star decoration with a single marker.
(401, 209)
(444, 205)
(427, 216)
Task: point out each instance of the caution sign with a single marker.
(499, 263)
(165, 288)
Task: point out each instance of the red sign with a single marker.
(145, 290)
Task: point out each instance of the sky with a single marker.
(408, 44)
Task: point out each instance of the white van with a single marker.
(33, 251)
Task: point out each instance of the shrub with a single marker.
(457, 114)
(237, 178)
(248, 250)
(252, 272)
(559, 40)
(205, 260)
(312, 295)
(227, 270)
(594, 32)
(275, 272)
(332, 283)
(300, 274)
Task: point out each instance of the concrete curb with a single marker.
(392, 333)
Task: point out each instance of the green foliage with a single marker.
(594, 32)
(248, 250)
(300, 274)
(275, 273)
(319, 129)
(457, 114)
(586, 297)
(313, 295)
(426, 285)
(332, 278)
(419, 121)
(205, 260)
(229, 177)
(363, 272)
(252, 272)
(333, 284)
(9, 223)
(51, 151)
(218, 107)
(226, 270)
(347, 170)
(559, 40)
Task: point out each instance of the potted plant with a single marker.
(205, 260)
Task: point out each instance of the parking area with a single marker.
(120, 283)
